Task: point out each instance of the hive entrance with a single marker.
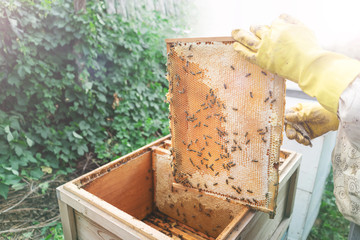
(226, 118)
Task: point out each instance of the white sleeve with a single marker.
(349, 112)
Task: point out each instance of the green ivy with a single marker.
(330, 223)
(72, 84)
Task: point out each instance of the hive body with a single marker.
(226, 118)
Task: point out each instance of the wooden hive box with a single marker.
(133, 198)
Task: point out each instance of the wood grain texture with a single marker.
(88, 229)
(111, 218)
(102, 220)
(67, 220)
(129, 187)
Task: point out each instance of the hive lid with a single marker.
(226, 119)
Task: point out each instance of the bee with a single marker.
(190, 56)
(205, 125)
(216, 159)
(211, 167)
(272, 101)
(249, 191)
(246, 134)
(209, 154)
(235, 133)
(187, 63)
(199, 72)
(208, 117)
(198, 110)
(227, 181)
(251, 95)
(215, 184)
(264, 73)
(205, 185)
(232, 67)
(223, 106)
(183, 91)
(192, 73)
(247, 142)
(263, 139)
(270, 93)
(230, 178)
(248, 74)
(254, 160)
(185, 69)
(235, 109)
(266, 99)
(217, 173)
(190, 47)
(224, 85)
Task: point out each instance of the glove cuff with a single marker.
(327, 76)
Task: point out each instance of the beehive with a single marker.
(134, 197)
(226, 118)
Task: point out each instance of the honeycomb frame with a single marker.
(226, 120)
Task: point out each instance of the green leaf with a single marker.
(36, 173)
(18, 150)
(4, 189)
(29, 142)
(76, 135)
(9, 137)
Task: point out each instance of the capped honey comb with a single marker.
(226, 120)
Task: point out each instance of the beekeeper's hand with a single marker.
(289, 49)
(308, 121)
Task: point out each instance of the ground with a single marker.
(33, 213)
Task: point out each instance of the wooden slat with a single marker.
(88, 229)
(129, 188)
(105, 169)
(291, 194)
(111, 218)
(68, 221)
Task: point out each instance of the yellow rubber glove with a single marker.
(290, 49)
(308, 121)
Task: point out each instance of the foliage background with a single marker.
(73, 86)
(330, 224)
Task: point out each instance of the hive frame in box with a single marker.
(85, 215)
(226, 118)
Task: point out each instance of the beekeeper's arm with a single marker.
(289, 49)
